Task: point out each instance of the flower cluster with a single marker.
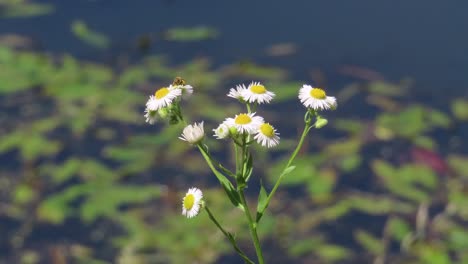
(164, 103)
(249, 123)
(244, 128)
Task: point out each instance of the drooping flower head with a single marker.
(222, 131)
(245, 123)
(257, 93)
(193, 134)
(162, 98)
(316, 98)
(191, 203)
(267, 135)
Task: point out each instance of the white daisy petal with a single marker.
(237, 93)
(186, 89)
(162, 98)
(191, 203)
(151, 116)
(257, 93)
(193, 134)
(245, 123)
(316, 98)
(267, 136)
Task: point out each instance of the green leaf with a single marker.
(386, 88)
(369, 242)
(93, 38)
(304, 246)
(191, 34)
(24, 193)
(261, 203)
(227, 185)
(399, 228)
(438, 118)
(460, 109)
(287, 170)
(320, 185)
(378, 205)
(413, 182)
(248, 167)
(459, 164)
(19, 9)
(332, 253)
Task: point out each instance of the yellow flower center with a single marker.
(267, 130)
(318, 93)
(189, 200)
(161, 93)
(243, 119)
(258, 89)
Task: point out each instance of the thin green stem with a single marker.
(238, 161)
(208, 159)
(229, 237)
(241, 164)
(306, 130)
(252, 228)
(248, 108)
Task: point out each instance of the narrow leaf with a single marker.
(262, 202)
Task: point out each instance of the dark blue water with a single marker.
(422, 39)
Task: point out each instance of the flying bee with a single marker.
(178, 81)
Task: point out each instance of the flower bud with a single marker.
(321, 122)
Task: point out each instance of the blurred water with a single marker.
(422, 39)
(425, 40)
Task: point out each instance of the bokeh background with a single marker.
(83, 179)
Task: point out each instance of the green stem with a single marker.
(227, 185)
(306, 130)
(240, 162)
(252, 228)
(229, 237)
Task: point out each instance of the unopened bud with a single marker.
(163, 112)
(233, 131)
(321, 122)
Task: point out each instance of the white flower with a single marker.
(192, 202)
(237, 93)
(257, 93)
(162, 98)
(222, 131)
(193, 134)
(316, 98)
(151, 116)
(245, 123)
(186, 89)
(267, 136)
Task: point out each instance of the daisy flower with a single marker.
(222, 131)
(151, 116)
(316, 98)
(257, 93)
(179, 83)
(267, 136)
(193, 134)
(162, 98)
(245, 123)
(186, 89)
(191, 203)
(237, 93)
